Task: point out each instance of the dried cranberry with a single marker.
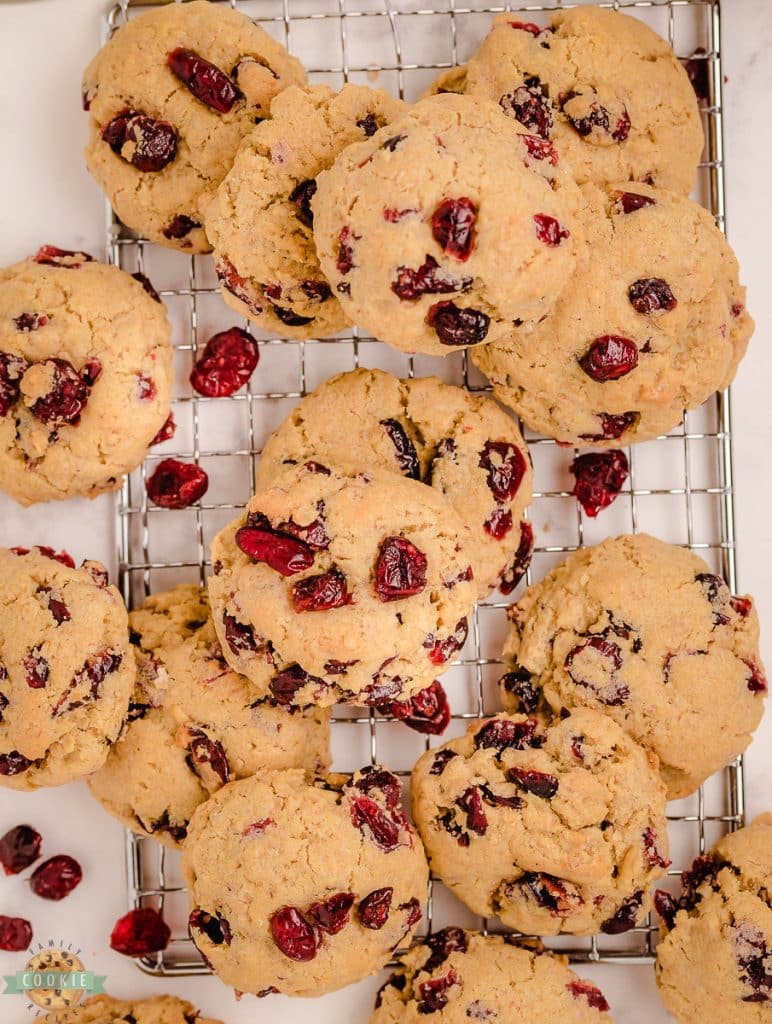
(206, 81)
(301, 196)
(737, 309)
(448, 821)
(374, 908)
(407, 456)
(27, 322)
(471, 802)
(91, 372)
(540, 149)
(650, 850)
(284, 553)
(59, 611)
(434, 993)
(453, 227)
(237, 285)
(294, 936)
(455, 325)
(331, 914)
(753, 961)
(286, 683)
(549, 230)
(313, 534)
(215, 927)
(400, 570)
(612, 426)
(757, 683)
(369, 124)
(441, 651)
(146, 389)
(626, 917)
(505, 466)
(526, 26)
(240, 636)
(56, 877)
(36, 669)
(593, 995)
(442, 944)
(66, 258)
(180, 226)
(629, 202)
(68, 396)
(392, 143)
(499, 523)
(321, 593)
(394, 216)
(528, 105)
(518, 683)
(152, 144)
(15, 934)
(166, 432)
(373, 779)
(600, 477)
(208, 757)
(697, 68)
(428, 279)
(289, 317)
(554, 894)
(539, 783)
(440, 762)
(383, 829)
(140, 932)
(513, 573)
(609, 358)
(651, 295)
(345, 258)
(413, 912)
(596, 120)
(427, 712)
(666, 906)
(176, 484)
(12, 369)
(19, 847)
(226, 364)
(502, 733)
(614, 693)
(14, 763)
(741, 605)
(58, 556)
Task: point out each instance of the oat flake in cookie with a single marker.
(552, 828)
(604, 88)
(260, 221)
(714, 961)
(300, 885)
(66, 667)
(106, 1010)
(461, 976)
(462, 445)
(342, 585)
(85, 375)
(644, 632)
(170, 97)
(449, 228)
(194, 724)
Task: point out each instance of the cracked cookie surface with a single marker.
(194, 724)
(302, 886)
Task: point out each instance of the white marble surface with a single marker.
(46, 195)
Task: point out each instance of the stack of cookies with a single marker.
(533, 209)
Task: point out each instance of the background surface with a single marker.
(47, 196)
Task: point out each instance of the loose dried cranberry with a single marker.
(455, 325)
(400, 570)
(757, 683)
(471, 802)
(383, 829)
(285, 554)
(612, 426)
(226, 364)
(66, 258)
(629, 202)
(56, 877)
(15, 934)
(374, 908)
(442, 944)
(502, 733)
(286, 683)
(600, 477)
(294, 936)
(505, 466)
(12, 369)
(697, 67)
(593, 995)
(407, 456)
(68, 396)
(321, 593)
(331, 914)
(666, 906)
(27, 322)
(301, 196)
(513, 573)
(180, 226)
(176, 484)
(528, 105)
(499, 523)
(453, 227)
(14, 763)
(237, 285)
(540, 149)
(626, 917)
(539, 783)
(434, 993)
(152, 144)
(650, 850)
(440, 762)
(427, 712)
(519, 684)
(19, 847)
(549, 230)
(609, 358)
(208, 757)
(206, 81)
(166, 433)
(428, 279)
(651, 295)
(140, 932)
(345, 258)
(215, 927)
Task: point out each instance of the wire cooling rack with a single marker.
(679, 488)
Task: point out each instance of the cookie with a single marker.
(644, 632)
(106, 1010)
(170, 97)
(342, 586)
(714, 961)
(66, 667)
(653, 323)
(603, 87)
(461, 976)
(259, 222)
(85, 375)
(463, 445)
(302, 886)
(448, 228)
(552, 828)
(194, 724)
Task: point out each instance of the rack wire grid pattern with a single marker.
(679, 487)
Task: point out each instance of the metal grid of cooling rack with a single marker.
(680, 486)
